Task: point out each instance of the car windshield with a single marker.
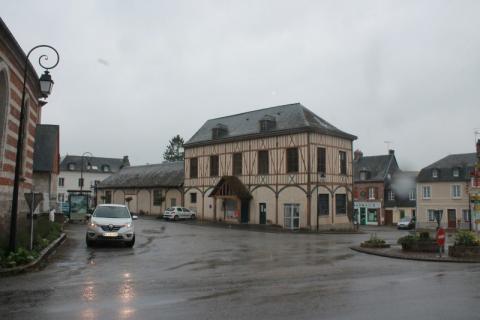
(111, 212)
(406, 219)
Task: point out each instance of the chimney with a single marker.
(125, 162)
(478, 148)
(391, 152)
(357, 155)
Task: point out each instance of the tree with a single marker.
(174, 150)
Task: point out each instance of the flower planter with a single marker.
(374, 245)
(421, 246)
(464, 251)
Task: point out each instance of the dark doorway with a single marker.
(388, 217)
(452, 218)
(323, 206)
(263, 213)
(244, 211)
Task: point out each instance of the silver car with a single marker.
(111, 222)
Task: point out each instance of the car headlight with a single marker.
(127, 225)
(93, 225)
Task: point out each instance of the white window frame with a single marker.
(412, 195)
(431, 215)
(429, 188)
(454, 189)
(456, 172)
(291, 212)
(466, 215)
(391, 195)
(371, 193)
(434, 173)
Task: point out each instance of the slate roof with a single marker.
(465, 162)
(289, 118)
(377, 167)
(45, 155)
(96, 163)
(402, 183)
(166, 174)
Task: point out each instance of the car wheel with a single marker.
(90, 243)
(130, 243)
(176, 218)
(192, 217)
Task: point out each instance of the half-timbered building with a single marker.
(282, 165)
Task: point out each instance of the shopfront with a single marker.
(367, 212)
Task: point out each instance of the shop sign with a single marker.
(366, 204)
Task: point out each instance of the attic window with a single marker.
(219, 131)
(364, 174)
(267, 123)
(456, 172)
(435, 173)
(71, 166)
(105, 168)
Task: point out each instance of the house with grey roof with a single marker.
(281, 165)
(46, 158)
(372, 186)
(443, 187)
(147, 189)
(81, 174)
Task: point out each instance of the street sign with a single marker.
(37, 197)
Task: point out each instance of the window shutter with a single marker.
(375, 192)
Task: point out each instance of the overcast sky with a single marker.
(134, 73)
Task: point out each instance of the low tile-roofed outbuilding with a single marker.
(166, 174)
(93, 164)
(464, 162)
(288, 119)
(376, 167)
(46, 150)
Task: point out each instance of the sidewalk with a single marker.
(397, 253)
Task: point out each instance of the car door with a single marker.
(186, 213)
(179, 212)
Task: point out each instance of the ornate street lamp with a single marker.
(46, 84)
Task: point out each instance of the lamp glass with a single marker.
(46, 83)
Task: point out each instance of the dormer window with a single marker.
(267, 123)
(105, 168)
(435, 173)
(456, 172)
(71, 166)
(364, 174)
(219, 131)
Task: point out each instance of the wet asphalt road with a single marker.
(182, 271)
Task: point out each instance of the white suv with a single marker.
(111, 222)
(177, 213)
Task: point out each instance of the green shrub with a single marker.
(466, 238)
(18, 257)
(408, 241)
(375, 240)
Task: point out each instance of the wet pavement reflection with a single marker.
(183, 271)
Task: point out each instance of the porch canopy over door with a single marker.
(230, 187)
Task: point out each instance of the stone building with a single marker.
(282, 165)
(443, 187)
(95, 170)
(46, 164)
(148, 189)
(12, 64)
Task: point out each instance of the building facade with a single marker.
(93, 170)
(475, 192)
(12, 64)
(444, 187)
(46, 164)
(401, 197)
(283, 166)
(148, 189)
(372, 187)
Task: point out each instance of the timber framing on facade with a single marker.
(295, 166)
